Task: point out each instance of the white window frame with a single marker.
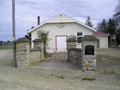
(79, 36)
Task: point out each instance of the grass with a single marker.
(61, 77)
(88, 79)
(32, 63)
(109, 72)
(5, 47)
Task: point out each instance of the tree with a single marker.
(28, 36)
(32, 27)
(118, 36)
(43, 35)
(117, 9)
(117, 14)
(1, 42)
(72, 38)
(116, 17)
(102, 26)
(111, 26)
(88, 22)
(112, 29)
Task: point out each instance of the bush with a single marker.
(45, 54)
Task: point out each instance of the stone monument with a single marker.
(89, 45)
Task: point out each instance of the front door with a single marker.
(61, 43)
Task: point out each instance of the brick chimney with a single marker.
(38, 20)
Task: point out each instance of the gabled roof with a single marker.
(61, 18)
(99, 33)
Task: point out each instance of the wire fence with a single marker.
(6, 45)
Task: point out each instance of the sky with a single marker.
(26, 12)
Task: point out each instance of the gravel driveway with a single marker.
(63, 79)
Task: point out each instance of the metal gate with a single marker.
(57, 56)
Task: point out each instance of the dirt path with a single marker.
(49, 79)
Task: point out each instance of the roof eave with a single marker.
(75, 21)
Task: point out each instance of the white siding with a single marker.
(103, 41)
(61, 18)
(68, 29)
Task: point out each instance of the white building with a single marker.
(60, 27)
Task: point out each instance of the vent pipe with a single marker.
(38, 20)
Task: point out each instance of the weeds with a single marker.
(61, 77)
(109, 72)
(51, 75)
(88, 79)
(31, 64)
(45, 54)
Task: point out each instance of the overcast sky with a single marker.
(28, 10)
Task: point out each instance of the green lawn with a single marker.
(5, 47)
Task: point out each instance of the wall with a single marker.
(71, 45)
(75, 56)
(85, 57)
(68, 29)
(25, 55)
(35, 55)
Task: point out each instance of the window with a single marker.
(79, 33)
(79, 37)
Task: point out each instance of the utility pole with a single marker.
(14, 43)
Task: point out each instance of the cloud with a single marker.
(28, 10)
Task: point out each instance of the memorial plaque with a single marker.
(89, 50)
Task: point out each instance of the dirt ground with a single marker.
(108, 61)
(107, 76)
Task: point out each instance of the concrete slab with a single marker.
(56, 65)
